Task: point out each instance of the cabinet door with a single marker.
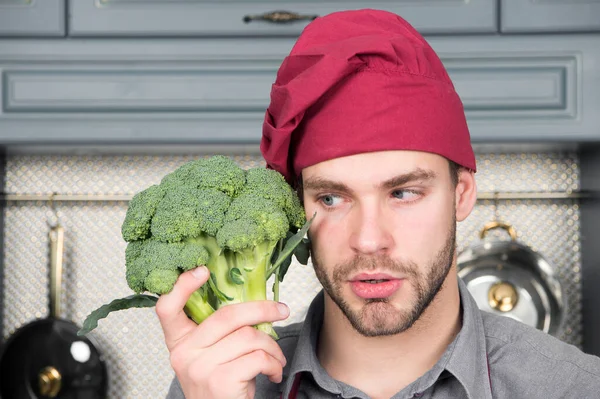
(235, 18)
(32, 18)
(550, 15)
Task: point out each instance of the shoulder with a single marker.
(522, 355)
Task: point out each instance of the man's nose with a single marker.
(371, 231)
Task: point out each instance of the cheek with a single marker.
(423, 231)
(327, 236)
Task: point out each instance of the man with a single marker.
(365, 120)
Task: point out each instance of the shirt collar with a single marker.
(468, 361)
(465, 358)
(305, 356)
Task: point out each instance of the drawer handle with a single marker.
(279, 17)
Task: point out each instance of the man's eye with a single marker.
(406, 195)
(330, 200)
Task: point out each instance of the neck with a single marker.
(382, 366)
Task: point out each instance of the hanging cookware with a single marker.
(46, 358)
(510, 279)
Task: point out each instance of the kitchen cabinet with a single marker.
(550, 16)
(227, 17)
(40, 18)
(534, 88)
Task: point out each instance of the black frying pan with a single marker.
(46, 358)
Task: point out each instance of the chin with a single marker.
(379, 317)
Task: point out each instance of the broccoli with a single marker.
(244, 225)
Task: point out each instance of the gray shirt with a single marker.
(491, 357)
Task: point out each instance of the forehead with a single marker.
(375, 167)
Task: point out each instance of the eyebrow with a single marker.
(322, 184)
(416, 175)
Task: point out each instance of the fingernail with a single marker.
(283, 309)
(200, 272)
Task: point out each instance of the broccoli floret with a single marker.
(270, 184)
(187, 212)
(136, 271)
(174, 258)
(142, 207)
(218, 172)
(243, 225)
(254, 209)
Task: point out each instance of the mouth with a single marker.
(375, 285)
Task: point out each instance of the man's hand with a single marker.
(221, 357)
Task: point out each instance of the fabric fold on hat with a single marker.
(361, 81)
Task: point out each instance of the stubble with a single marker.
(378, 317)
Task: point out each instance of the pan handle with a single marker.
(56, 236)
(498, 225)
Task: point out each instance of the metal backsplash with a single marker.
(94, 262)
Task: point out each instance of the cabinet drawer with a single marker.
(521, 16)
(31, 18)
(235, 18)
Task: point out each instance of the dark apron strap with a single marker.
(296, 384)
(295, 387)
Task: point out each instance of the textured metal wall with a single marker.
(94, 261)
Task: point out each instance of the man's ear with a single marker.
(466, 193)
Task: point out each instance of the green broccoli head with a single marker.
(244, 225)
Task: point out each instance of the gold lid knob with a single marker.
(49, 382)
(503, 296)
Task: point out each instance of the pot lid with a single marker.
(509, 279)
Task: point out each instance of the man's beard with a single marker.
(377, 317)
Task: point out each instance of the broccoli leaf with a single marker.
(287, 251)
(236, 276)
(283, 268)
(302, 251)
(212, 282)
(132, 301)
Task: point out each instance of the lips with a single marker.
(372, 276)
(375, 285)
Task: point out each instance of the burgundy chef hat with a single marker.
(361, 81)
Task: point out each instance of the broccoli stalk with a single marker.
(253, 265)
(198, 307)
(244, 225)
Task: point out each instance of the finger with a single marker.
(230, 318)
(169, 307)
(242, 342)
(247, 367)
